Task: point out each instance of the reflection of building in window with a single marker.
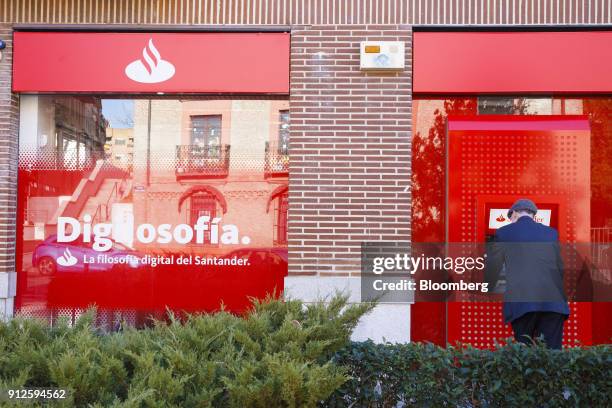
(202, 205)
(202, 201)
(205, 155)
(280, 219)
(499, 105)
(161, 188)
(60, 138)
(175, 159)
(119, 147)
(280, 198)
(62, 131)
(283, 133)
(277, 152)
(79, 131)
(206, 132)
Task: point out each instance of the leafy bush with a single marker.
(513, 375)
(287, 354)
(277, 355)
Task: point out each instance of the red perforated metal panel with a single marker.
(496, 160)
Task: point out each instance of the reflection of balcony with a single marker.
(193, 161)
(277, 161)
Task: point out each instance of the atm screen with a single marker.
(496, 214)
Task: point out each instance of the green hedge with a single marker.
(276, 355)
(287, 354)
(513, 375)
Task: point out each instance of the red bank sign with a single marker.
(245, 63)
(512, 62)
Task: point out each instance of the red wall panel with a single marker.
(512, 62)
(162, 62)
(545, 158)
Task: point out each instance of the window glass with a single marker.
(136, 205)
(277, 148)
(206, 130)
(502, 105)
(281, 219)
(429, 153)
(283, 132)
(536, 160)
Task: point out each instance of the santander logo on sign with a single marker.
(151, 69)
(66, 259)
(497, 219)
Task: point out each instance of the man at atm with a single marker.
(528, 252)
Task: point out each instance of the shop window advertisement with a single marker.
(138, 205)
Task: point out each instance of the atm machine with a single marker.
(491, 162)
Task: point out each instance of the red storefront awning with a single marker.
(512, 62)
(95, 62)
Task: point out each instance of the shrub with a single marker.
(277, 355)
(287, 354)
(512, 375)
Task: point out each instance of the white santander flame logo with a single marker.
(66, 259)
(151, 68)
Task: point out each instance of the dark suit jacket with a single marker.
(529, 254)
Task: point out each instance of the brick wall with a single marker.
(8, 176)
(350, 149)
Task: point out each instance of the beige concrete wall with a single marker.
(120, 155)
(37, 126)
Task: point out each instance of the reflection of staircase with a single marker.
(96, 193)
(99, 206)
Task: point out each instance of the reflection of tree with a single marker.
(125, 117)
(600, 113)
(428, 173)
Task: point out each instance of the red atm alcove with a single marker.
(491, 162)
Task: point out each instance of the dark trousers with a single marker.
(535, 324)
